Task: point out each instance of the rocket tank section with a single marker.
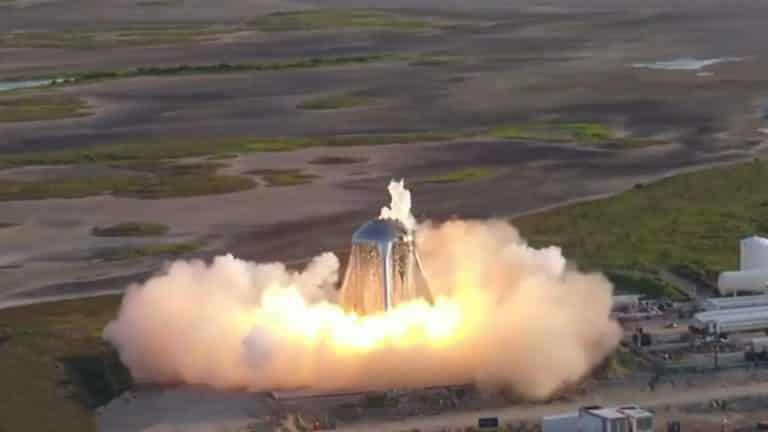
(384, 269)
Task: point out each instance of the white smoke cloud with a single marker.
(505, 314)
(400, 205)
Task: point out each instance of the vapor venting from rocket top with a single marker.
(400, 205)
(503, 314)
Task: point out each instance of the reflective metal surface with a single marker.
(383, 270)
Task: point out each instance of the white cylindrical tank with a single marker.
(753, 253)
(742, 281)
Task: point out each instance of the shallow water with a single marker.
(13, 85)
(685, 63)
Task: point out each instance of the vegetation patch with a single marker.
(54, 366)
(159, 2)
(145, 187)
(131, 229)
(152, 250)
(168, 168)
(431, 61)
(579, 132)
(284, 177)
(157, 155)
(337, 160)
(337, 19)
(222, 156)
(645, 284)
(36, 108)
(691, 221)
(333, 102)
(154, 153)
(285, 65)
(620, 363)
(138, 35)
(462, 175)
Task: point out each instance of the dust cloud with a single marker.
(504, 315)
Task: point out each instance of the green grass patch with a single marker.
(156, 155)
(620, 363)
(462, 175)
(137, 35)
(432, 61)
(337, 19)
(167, 167)
(147, 35)
(159, 2)
(337, 160)
(222, 156)
(222, 68)
(144, 187)
(131, 229)
(283, 177)
(646, 284)
(36, 108)
(579, 132)
(152, 250)
(334, 102)
(692, 221)
(153, 152)
(55, 368)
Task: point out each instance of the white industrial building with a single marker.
(724, 322)
(629, 418)
(753, 269)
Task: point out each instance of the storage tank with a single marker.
(384, 269)
(730, 321)
(742, 281)
(725, 303)
(753, 253)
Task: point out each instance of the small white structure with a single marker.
(597, 419)
(753, 269)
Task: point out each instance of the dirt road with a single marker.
(722, 386)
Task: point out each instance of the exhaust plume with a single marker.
(504, 314)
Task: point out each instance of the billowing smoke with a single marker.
(504, 314)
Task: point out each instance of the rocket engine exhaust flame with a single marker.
(491, 310)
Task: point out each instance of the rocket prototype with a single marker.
(384, 269)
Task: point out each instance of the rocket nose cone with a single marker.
(380, 231)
